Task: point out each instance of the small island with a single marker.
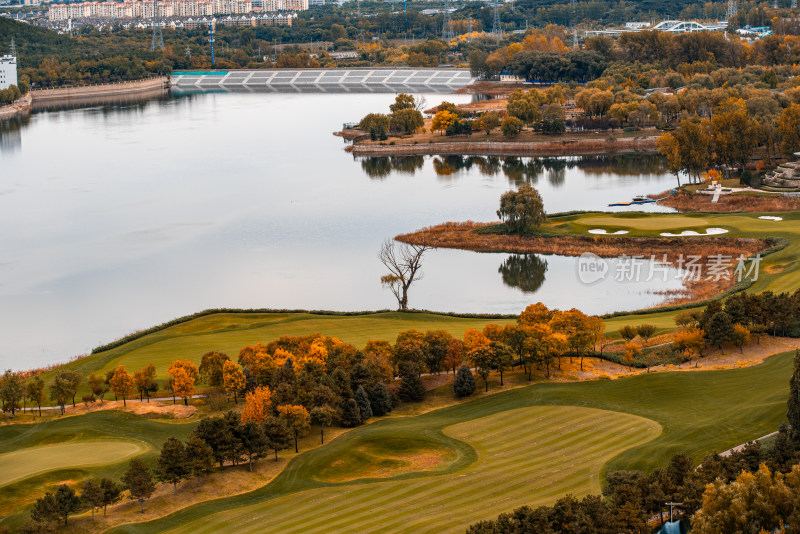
(667, 238)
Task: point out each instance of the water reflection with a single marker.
(523, 271)
(382, 167)
(105, 105)
(519, 170)
(10, 133)
(265, 224)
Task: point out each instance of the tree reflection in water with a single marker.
(519, 170)
(381, 167)
(10, 136)
(524, 271)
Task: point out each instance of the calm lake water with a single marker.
(116, 218)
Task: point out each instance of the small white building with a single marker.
(637, 25)
(8, 71)
(506, 76)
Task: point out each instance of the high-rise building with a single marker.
(8, 71)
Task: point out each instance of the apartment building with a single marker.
(8, 71)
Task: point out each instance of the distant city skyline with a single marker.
(144, 9)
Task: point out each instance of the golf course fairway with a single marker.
(35, 460)
(523, 446)
(519, 458)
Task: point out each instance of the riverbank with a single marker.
(137, 87)
(554, 147)
(671, 251)
(20, 106)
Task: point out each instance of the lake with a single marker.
(115, 218)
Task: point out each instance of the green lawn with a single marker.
(18, 465)
(229, 332)
(649, 222)
(38, 456)
(494, 438)
(778, 272)
(508, 459)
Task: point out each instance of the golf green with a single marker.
(35, 460)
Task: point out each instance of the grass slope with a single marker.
(519, 458)
(36, 460)
(698, 413)
(98, 441)
(229, 332)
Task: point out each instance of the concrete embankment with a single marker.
(567, 147)
(151, 85)
(18, 107)
(349, 80)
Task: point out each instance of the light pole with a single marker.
(671, 506)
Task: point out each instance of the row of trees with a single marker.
(175, 463)
(532, 108)
(344, 385)
(765, 312)
(755, 489)
(55, 508)
(541, 55)
(332, 381)
(728, 139)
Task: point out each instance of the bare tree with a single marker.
(404, 263)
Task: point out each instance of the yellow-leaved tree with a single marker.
(443, 120)
(691, 341)
(181, 383)
(473, 339)
(257, 404)
(186, 365)
(121, 383)
(233, 379)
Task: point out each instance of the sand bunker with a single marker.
(770, 218)
(603, 231)
(685, 233)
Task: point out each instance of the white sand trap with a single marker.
(603, 231)
(770, 218)
(685, 233)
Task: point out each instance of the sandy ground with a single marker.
(145, 409)
(752, 354)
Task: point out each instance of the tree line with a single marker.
(351, 385)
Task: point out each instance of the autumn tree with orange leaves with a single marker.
(121, 383)
(579, 329)
(233, 379)
(186, 365)
(181, 383)
(691, 341)
(257, 405)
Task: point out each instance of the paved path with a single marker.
(743, 445)
(35, 409)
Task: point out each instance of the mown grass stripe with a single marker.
(495, 481)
